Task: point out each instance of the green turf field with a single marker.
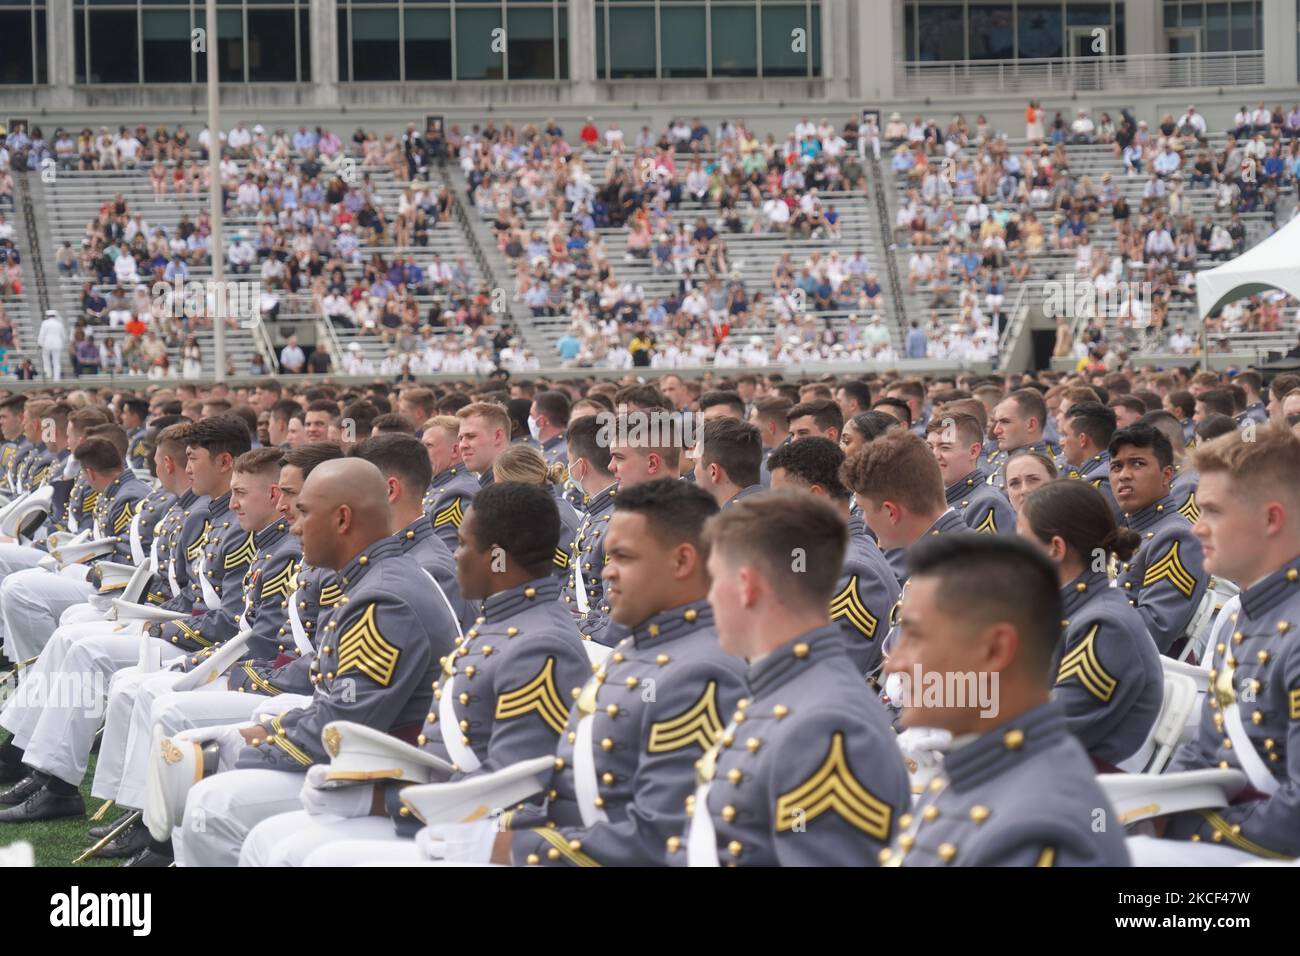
(59, 842)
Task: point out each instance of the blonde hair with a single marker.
(491, 412)
(448, 423)
(525, 463)
(1262, 467)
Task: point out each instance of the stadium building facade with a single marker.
(60, 59)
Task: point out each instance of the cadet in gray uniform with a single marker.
(807, 773)
(548, 420)
(589, 467)
(866, 589)
(1108, 675)
(1165, 579)
(1018, 422)
(1250, 527)
(503, 695)
(1016, 789)
(954, 438)
(626, 760)
(1089, 427)
(453, 487)
(379, 654)
(900, 490)
(729, 458)
(523, 463)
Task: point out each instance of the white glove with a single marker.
(923, 749)
(342, 802)
(459, 842)
(227, 735)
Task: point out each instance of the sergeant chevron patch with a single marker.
(1190, 510)
(363, 648)
(1170, 567)
(1082, 662)
(450, 514)
(281, 583)
(848, 605)
(988, 525)
(833, 787)
(698, 725)
(241, 555)
(540, 695)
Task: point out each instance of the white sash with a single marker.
(579, 586)
(702, 844)
(210, 596)
(153, 553)
(584, 775)
(137, 546)
(300, 638)
(1247, 755)
(171, 575)
(449, 727)
(443, 594)
(72, 518)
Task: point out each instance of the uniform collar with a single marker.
(946, 522)
(965, 486)
(791, 658)
(1082, 590)
(415, 532)
(744, 493)
(356, 569)
(443, 477)
(1264, 595)
(673, 623)
(1152, 514)
(994, 753)
(217, 507)
(602, 500)
(271, 534)
(187, 499)
(514, 601)
(1096, 463)
(115, 484)
(553, 442)
(487, 478)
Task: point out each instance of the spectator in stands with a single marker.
(292, 358)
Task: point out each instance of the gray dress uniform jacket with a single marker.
(652, 710)
(808, 772)
(114, 510)
(865, 594)
(179, 531)
(1258, 669)
(450, 495)
(1022, 794)
(288, 671)
(1096, 472)
(137, 453)
(379, 651)
(224, 552)
(589, 553)
(569, 522)
(983, 507)
(22, 450)
(1166, 578)
(510, 682)
(419, 541)
(1109, 680)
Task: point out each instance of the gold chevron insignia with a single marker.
(330, 595)
(260, 682)
(1170, 567)
(123, 519)
(698, 725)
(561, 559)
(565, 848)
(192, 552)
(833, 787)
(451, 513)
(241, 555)
(1047, 858)
(193, 634)
(540, 695)
(363, 648)
(848, 605)
(281, 583)
(988, 525)
(1082, 662)
(1190, 509)
(1295, 704)
(88, 503)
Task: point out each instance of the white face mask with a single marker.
(534, 429)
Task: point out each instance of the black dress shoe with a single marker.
(127, 844)
(45, 804)
(149, 857)
(102, 830)
(22, 790)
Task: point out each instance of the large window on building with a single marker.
(397, 40)
(699, 39)
(1011, 30)
(22, 42)
(1207, 26)
(154, 41)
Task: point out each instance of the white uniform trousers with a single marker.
(394, 852)
(23, 709)
(1152, 851)
(117, 725)
(31, 602)
(64, 732)
(221, 810)
(289, 838)
(81, 614)
(14, 558)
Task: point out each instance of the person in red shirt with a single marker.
(590, 135)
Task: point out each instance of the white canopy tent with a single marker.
(1273, 264)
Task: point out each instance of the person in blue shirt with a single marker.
(916, 344)
(568, 346)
